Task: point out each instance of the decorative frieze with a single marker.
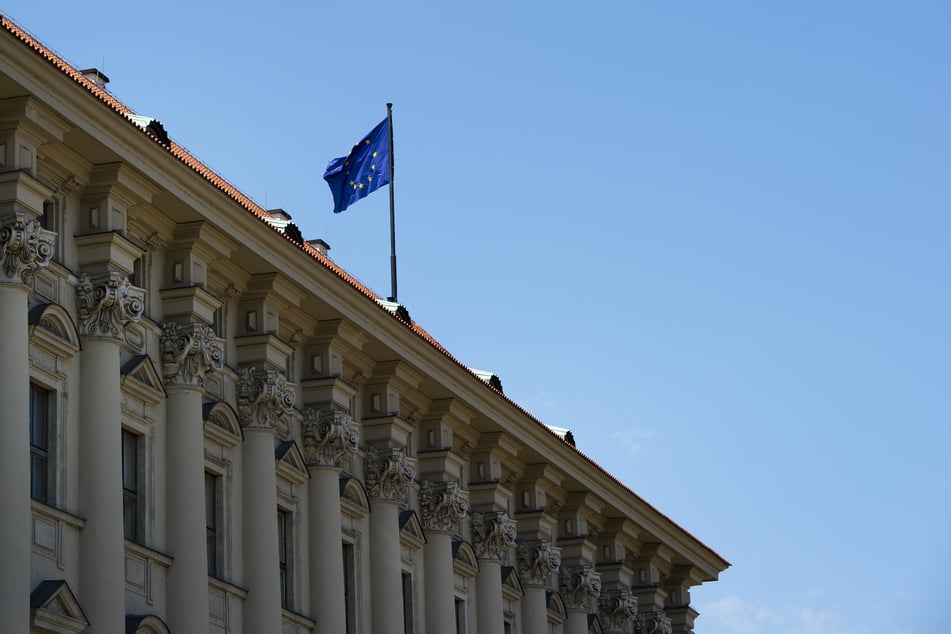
(492, 534)
(264, 399)
(107, 304)
(189, 352)
(329, 436)
(616, 609)
(653, 623)
(537, 560)
(388, 473)
(580, 587)
(24, 247)
(442, 505)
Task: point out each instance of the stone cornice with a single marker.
(190, 350)
(107, 303)
(264, 399)
(329, 436)
(442, 505)
(24, 247)
(388, 474)
(493, 534)
(580, 587)
(537, 560)
(616, 609)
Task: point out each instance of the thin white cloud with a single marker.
(633, 439)
(734, 615)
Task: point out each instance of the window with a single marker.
(39, 444)
(130, 485)
(408, 603)
(283, 550)
(211, 521)
(349, 586)
(461, 616)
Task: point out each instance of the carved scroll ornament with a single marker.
(492, 535)
(24, 247)
(537, 560)
(388, 474)
(107, 304)
(617, 609)
(264, 399)
(442, 505)
(653, 623)
(189, 352)
(329, 436)
(580, 587)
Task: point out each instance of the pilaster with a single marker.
(538, 560)
(617, 610)
(493, 537)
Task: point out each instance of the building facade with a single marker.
(226, 432)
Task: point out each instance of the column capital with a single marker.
(616, 609)
(329, 436)
(493, 533)
(107, 303)
(264, 399)
(24, 247)
(580, 587)
(190, 350)
(537, 560)
(442, 505)
(655, 622)
(388, 473)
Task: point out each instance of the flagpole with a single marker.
(392, 298)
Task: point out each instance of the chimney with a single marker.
(321, 246)
(95, 76)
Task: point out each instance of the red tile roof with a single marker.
(235, 194)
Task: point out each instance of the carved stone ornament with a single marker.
(537, 560)
(580, 587)
(653, 623)
(107, 304)
(24, 247)
(492, 535)
(616, 609)
(264, 399)
(189, 352)
(389, 472)
(442, 505)
(329, 436)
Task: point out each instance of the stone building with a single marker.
(226, 432)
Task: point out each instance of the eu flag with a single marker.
(365, 169)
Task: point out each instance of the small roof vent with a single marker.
(489, 377)
(153, 127)
(564, 434)
(321, 246)
(397, 309)
(96, 76)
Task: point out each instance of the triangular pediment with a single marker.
(290, 462)
(411, 530)
(221, 423)
(140, 377)
(511, 584)
(54, 608)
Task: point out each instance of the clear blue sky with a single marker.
(712, 238)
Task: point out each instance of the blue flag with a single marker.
(365, 169)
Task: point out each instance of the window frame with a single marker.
(42, 453)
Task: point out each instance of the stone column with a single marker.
(388, 474)
(329, 437)
(24, 247)
(442, 506)
(189, 352)
(617, 609)
(107, 304)
(580, 589)
(493, 534)
(537, 561)
(263, 400)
